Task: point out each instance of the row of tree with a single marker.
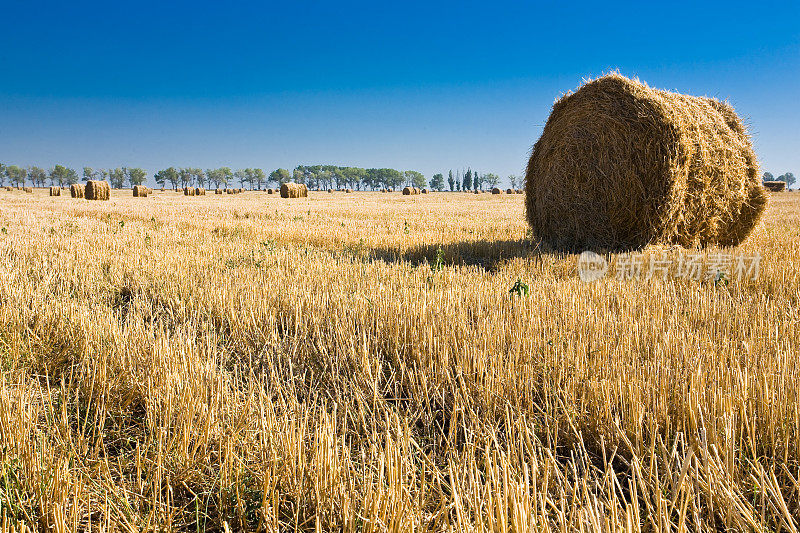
(787, 178)
(314, 176)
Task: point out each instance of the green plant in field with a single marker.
(439, 261)
(519, 288)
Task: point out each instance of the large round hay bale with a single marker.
(510, 191)
(497, 191)
(188, 191)
(775, 186)
(294, 190)
(55, 191)
(407, 191)
(139, 191)
(27, 189)
(622, 165)
(199, 191)
(519, 191)
(425, 191)
(97, 190)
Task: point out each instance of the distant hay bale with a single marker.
(622, 165)
(55, 191)
(27, 189)
(139, 191)
(330, 191)
(775, 186)
(77, 190)
(162, 189)
(425, 191)
(294, 190)
(497, 191)
(8, 188)
(217, 191)
(519, 191)
(97, 190)
(477, 191)
(199, 191)
(348, 190)
(407, 191)
(510, 191)
(188, 191)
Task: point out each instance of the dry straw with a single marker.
(294, 190)
(139, 191)
(217, 191)
(77, 190)
(775, 186)
(510, 191)
(97, 190)
(55, 191)
(27, 189)
(497, 191)
(622, 165)
(199, 191)
(188, 191)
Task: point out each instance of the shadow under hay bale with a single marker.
(620, 165)
(294, 190)
(97, 190)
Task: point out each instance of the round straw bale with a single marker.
(497, 191)
(188, 191)
(519, 191)
(293, 190)
(510, 191)
(425, 191)
(217, 191)
(407, 191)
(622, 165)
(139, 191)
(775, 186)
(55, 191)
(27, 189)
(97, 190)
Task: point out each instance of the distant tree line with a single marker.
(313, 176)
(787, 178)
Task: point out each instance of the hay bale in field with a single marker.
(27, 189)
(55, 191)
(497, 191)
(8, 188)
(294, 190)
(519, 191)
(775, 186)
(330, 191)
(510, 191)
(622, 165)
(77, 190)
(188, 191)
(139, 191)
(97, 190)
(217, 191)
(407, 191)
(425, 191)
(348, 190)
(477, 191)
(199, 191)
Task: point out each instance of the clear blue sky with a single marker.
(414, 85)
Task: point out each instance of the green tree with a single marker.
(451, 181)
(437, 182)
(492, 180)
(788, 178)
(59, 175)
(16, 175)
(37, 176)
(88, 173)
(168, 175)
(467, 183)
(2, 174)
(117, 177)
(414, 178)
(280, 176)
(136, 176)
(258, 177)
(513, 179)
(768, 176)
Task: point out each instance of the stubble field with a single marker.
(360, 362)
